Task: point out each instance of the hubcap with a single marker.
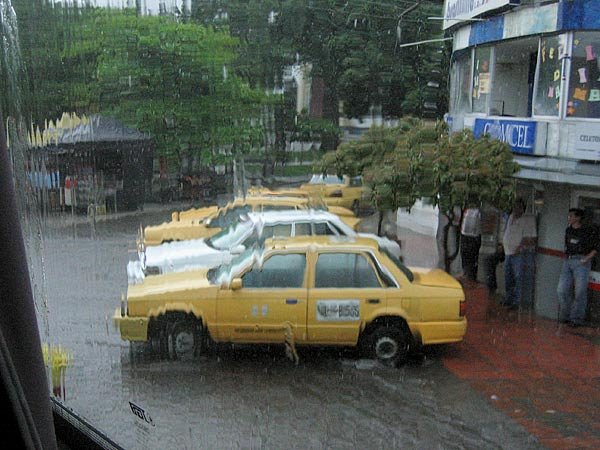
(184, 344)
(386, 348)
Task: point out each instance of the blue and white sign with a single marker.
(519, 134)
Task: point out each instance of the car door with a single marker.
(271, 302)
(346, 289)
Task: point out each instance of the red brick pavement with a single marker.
(544, 375)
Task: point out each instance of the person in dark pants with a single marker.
(520, 236)
(581, 246)
(490, 265)
(470, 242)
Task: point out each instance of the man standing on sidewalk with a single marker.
(581, 245)
(470, 242)
(519, 236)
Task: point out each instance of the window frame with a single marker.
(260, 268)
(537, 78)
(369, 258)
(469, 110)
(571, 39)
(329, 227)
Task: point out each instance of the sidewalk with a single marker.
(544, 375)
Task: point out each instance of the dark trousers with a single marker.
(490, 265)
(469, 253)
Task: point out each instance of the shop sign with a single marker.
(467, 9)
(584, 141)
(520, 135)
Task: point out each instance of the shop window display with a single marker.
(481, 79)
(584, 85)
(550, 73)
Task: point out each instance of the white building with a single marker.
(530, 75)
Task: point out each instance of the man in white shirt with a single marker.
(470, 242)
(519, 238)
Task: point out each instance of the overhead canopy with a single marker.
(71, 129)
(555, 170)
(97, 129)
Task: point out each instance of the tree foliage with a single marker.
(421, 160)
(352, 46)
(171, 79)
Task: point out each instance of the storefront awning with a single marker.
(555, 170)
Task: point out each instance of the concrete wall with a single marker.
(551, 229)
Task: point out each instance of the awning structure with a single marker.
(71, 129)
(554, 170)
(102, 160)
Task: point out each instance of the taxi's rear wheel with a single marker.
(389, 345)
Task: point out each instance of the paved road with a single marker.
(242, 397)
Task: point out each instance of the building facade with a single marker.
(528, 73)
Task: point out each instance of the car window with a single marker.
(355, 182)
(344, 270)
(279, 230)
(399, 264)
(230, 236)
(322, 229)
(227, 216)
(279, 271)
(277, 207)
(338, 230)
(333, 179)
(302, 229)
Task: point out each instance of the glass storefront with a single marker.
(526, 77)
(584, 86)
(481, 78)
(461, 83)
(550, 74)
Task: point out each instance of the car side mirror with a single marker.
(236, 284)
(238, 249)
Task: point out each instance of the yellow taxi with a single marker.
(299, 291)
(313, 198)
(188, 226)
(343, 191)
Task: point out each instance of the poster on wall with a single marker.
(457, 10)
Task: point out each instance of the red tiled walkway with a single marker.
(544, 375)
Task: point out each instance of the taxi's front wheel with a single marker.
(184, 339)
(389, 345)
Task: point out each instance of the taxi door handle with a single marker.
(291, 301)
(373, 301)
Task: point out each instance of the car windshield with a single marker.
(328, 179)
(230, 236)
(223, 274)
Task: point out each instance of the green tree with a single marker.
(157, 74)
(420, 160)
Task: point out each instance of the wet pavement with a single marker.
(517, 381)
(542, 374)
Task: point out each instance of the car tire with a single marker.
(356, 207)
(389, 345)
(184, 340)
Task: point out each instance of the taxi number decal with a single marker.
(338, 310)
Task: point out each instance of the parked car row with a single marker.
(270, 269)
(239, 235)
(205, 222)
